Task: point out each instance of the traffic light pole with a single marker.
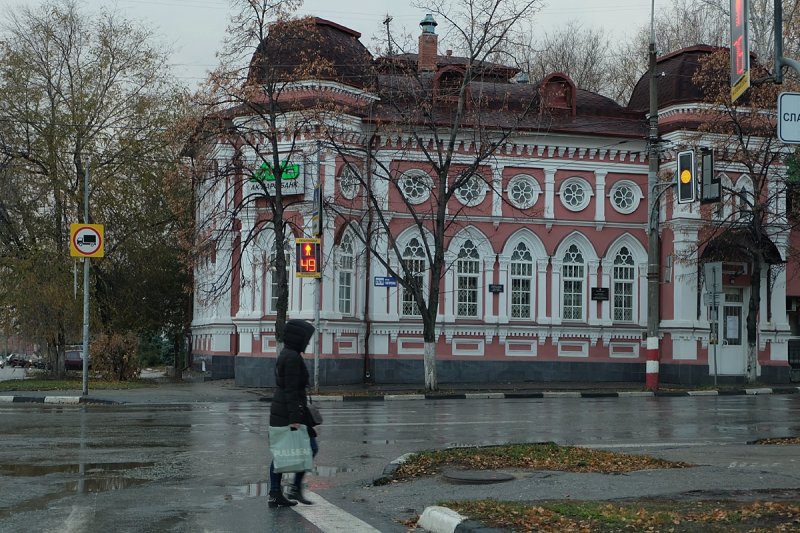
(653, 247)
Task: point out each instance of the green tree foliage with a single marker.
(86, 92)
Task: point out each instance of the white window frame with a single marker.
(575, 182)
(636, 191)
(535, 189)
(624, 284)
(481, 196)
(349, 184)
(346, 274)
(521, 269)
(468, 281)
(417, 267)
(416, 175)
(573, 272)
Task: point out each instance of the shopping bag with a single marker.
(291, 450)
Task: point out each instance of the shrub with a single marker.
(114, 357)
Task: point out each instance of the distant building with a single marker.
(549, 275)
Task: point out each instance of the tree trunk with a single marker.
(752, 320)
(430, 366)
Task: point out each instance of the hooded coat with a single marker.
(291, 378)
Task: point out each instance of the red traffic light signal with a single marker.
(687, 177)
(308, 264)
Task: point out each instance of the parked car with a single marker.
(2, 361)
(40, 362)
(18, 360)
(73, 360)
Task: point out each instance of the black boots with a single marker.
(277, 499)
(296, 493)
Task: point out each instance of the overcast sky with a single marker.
(195, 28)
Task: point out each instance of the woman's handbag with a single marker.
(291, 449)
(313, 412)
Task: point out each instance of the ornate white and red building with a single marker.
(548, 268)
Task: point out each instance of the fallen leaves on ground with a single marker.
(661, 516)
(780, 441)
(546, 456)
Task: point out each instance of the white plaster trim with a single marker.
(474, 351)
(582, 351)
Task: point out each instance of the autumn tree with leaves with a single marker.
(85, 93)
(748, 221)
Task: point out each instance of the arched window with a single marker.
(572, 284)
(521, 282)
(415, 266)
(346, 267)
(624, 273)
(467, 272)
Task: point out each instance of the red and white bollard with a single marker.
(651, 376)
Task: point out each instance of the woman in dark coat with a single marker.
(289, 403)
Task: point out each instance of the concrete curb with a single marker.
(436, 519)
(56, 400)
(412, 396)
(549, 394)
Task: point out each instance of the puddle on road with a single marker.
(37, 470)
(103, 484)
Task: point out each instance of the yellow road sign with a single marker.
(86, 240)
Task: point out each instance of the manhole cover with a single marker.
(476, 477)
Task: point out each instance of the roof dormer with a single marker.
(558, 93)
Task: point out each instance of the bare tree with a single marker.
(450, 114)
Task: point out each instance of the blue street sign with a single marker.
(385, 281)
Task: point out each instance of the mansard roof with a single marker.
(676, 85)
(311, 48)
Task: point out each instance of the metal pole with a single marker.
(318, 290)
(318, 341)
(86, 261)
(653, 249)
(716, 298)
(778, 68)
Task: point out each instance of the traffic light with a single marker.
(308, 259)
(687, 177)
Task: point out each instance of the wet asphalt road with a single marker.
(203, 466)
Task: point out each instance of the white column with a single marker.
(593, 319)
(642, 277)
(497, 191)
(685, 286)
(605, 281)
(600, 195)
(541, 292)
(555, 291)
(246, 281)
(488, 297)
(549, 192)
(505, 279)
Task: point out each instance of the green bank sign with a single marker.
(289, 171)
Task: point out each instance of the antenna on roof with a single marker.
(386, 21)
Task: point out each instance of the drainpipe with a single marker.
(653, 248)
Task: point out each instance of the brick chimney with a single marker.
(428, 45)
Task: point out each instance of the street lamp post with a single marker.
(653, 248)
